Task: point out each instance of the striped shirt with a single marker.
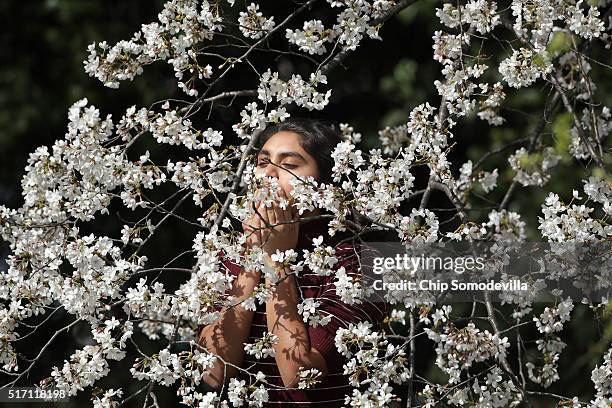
(332, 389)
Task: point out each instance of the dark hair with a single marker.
(317, 137)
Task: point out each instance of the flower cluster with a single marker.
(535, 20)
(480, 14)
(588, 26)
(321, 259)
(351, 24)
(579, 143)
(381, 186)
(459, 349)
(181, 26)
(239, 392)
(253, 24)
(170, 128)
(573, 222)
(428, 136)
(602, 378)
(253, 119)
(350, 287)
(393, 138)
(308, 378)
(372, 360)
(308, 309)
(550, 321)
(486, 180)
(355, 20)
(547, 373)
(311, 38)
(166, 367)
(88, 365)
(263, 347)
(600, 191)
(532, 169)
(297, 90)
(346, 158)
(409, 230)
(85, 367)
(488, 390)
(348, 133)
(107, 398)
(490, 107)
(457, 89)
(525, 66)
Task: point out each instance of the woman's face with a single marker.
(283, 149)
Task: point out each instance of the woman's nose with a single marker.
(271, 170)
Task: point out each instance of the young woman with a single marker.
(303, 148)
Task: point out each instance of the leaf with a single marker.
(561, 129)
(559, 43)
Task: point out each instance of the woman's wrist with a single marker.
(245, 284)
(281, 272)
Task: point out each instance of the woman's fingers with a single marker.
(273, 225)
(286, 212)
(271, 212)
(250, 229)
(262, 221)
(260, 213)
(254, 225)
(291, 209)
(259, 231)
(279, 215)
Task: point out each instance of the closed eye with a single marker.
(265, 162)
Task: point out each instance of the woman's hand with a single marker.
(280, 237)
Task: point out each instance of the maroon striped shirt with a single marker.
(334, 387)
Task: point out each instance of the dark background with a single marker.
(43, 44)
